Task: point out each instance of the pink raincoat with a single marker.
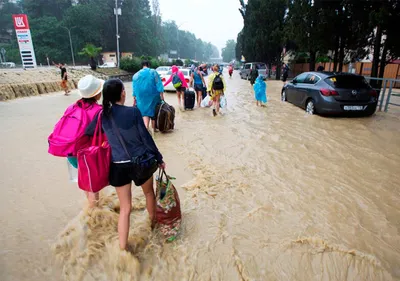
(175, 69)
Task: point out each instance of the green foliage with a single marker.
(7, 10)
(228, 53)
(90, 51)
(346, 29)
(178, 62)
(186, 43)
(262, 35)
(141, 29)
(12, 53)
(47, 36)
(131, 64)
(135, 64)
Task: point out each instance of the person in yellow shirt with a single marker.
(216, 88)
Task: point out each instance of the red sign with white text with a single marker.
(20, 21)
(24, 39)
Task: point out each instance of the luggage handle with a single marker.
(161, 174)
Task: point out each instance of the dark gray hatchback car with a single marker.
(331, 93)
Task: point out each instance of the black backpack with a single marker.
(218, 84)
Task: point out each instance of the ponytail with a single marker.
(106, 107)
(112, 91)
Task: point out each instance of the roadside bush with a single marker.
(178, 62)
(134, 64)
(131, 65)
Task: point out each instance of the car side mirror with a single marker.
(294, 81)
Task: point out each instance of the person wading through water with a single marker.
(179, 83)
(135, 156)
(253, 75)
(216, 88)
(198, 79)
(148, 92)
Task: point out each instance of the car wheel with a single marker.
(283, 96)
(310, 107)
(370, 111)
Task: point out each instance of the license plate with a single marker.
(353, 107)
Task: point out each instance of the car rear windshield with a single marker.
(261, 66)
(347, 82)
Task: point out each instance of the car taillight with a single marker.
(187, 80)
(328, 93)
(373, 93)
(163, 79)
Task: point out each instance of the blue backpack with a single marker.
(176, 81)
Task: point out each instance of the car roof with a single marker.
(325, 74)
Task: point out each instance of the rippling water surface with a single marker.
(267, 194)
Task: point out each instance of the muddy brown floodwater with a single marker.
(267, 194)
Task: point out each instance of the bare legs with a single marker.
(199, 98)
(148, 191)
(217, 103)
(93, 198)
(180, 98)
(125, 199)
(146, 121)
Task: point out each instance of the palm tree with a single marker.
(91, 51)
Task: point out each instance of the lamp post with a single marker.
(117, 12)
(70, 42)
(177, 33)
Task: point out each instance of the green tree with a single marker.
(239, 46)
(7, 9)
(141, 29)
(41, 8)
(384, 17)
(228, 53)
(304, 27)
(214, 51)
(92, 52)
(263, 30)
(49, 40)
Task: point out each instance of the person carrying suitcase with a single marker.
(179, 82)
(148, 92)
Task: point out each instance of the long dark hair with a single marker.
(89, 101)
(112, 92)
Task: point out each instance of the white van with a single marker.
(260, 66)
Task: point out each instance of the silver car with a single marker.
(246, 69)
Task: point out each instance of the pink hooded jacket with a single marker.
(175, 70)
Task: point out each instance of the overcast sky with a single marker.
(214, 21)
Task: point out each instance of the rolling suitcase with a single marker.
(165, 116)
(189, 99)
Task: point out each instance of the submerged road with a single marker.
(267, 194)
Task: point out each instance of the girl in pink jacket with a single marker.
(179, 82)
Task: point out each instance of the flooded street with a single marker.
(267, 194)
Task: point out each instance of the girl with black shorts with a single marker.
(135, 156)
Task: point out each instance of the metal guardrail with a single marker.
(385, 99)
